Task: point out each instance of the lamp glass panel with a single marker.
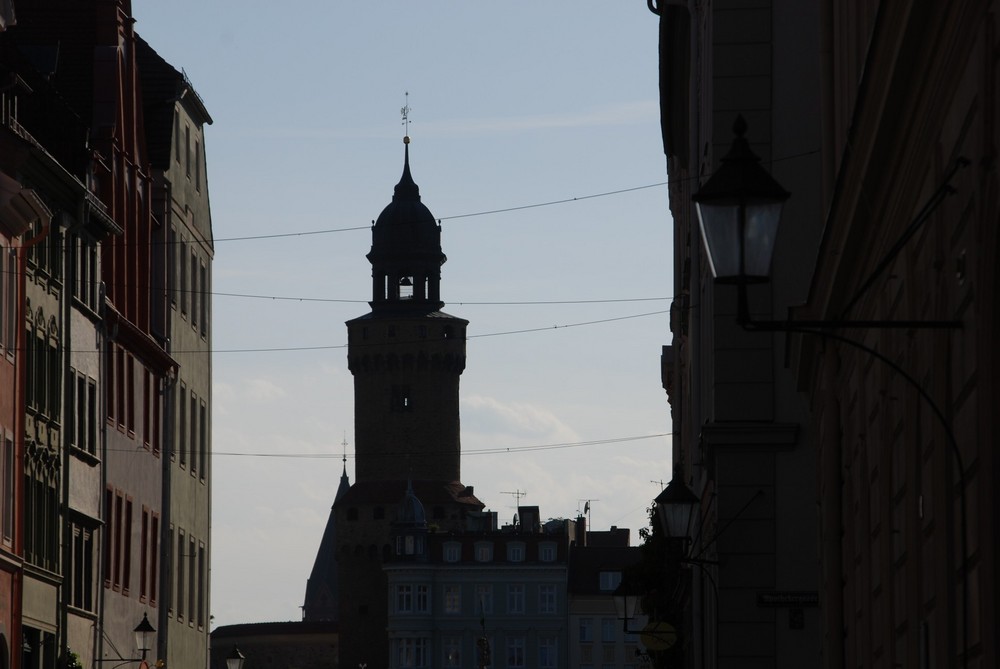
(620, 608)
(760, 232)
(719, 223)
(234, 663)
(141, 640)
(676, 517)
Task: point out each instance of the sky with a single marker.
(535, 140)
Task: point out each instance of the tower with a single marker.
(406, 356)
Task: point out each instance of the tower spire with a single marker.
(405, 113)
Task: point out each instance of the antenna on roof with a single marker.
(586, 509)
(518, 494)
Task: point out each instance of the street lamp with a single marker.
(676, 507)
(144, 634)
(655, 636)
(235, 659)
(738, 212)
(626, 605)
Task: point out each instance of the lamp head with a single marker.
(738, 212)
(235, 659)
(144, 633)
(626, 602)
(676, 508)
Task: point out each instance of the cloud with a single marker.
(263, 390)
(487, 415)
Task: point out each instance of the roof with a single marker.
(275, 628)
(586, 562)
(322, 600)
(429, 492)
(162, 87)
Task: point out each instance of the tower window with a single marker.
(406, 287)
(402, 400)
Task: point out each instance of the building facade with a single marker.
(741, 438)
(905, 442)
(597, 637)
(886, 430)
(175, 120)
(455, 596)
(88, 299)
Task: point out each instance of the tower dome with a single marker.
(406, 254)
(411, 510)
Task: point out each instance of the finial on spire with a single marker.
(405, 112)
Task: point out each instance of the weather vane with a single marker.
(405, 112)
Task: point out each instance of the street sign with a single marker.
(658, 636)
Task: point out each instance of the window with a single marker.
(7, 305)
(452, 646)
(203, 579)
(154, 557)
(7, 491)
(547, 551)
(181, 571)
(411, 653)
(515, 552)
(130, 396)
(202, 438)
(182, 423)
(81, 412)
(423, 600)
(515, 598)
(192, 580)
(197, 166)
(548, 651)
(193, 435)
(608, 630)
(143, 553)
(404, 599)
(81, 576)
(203, 303)
(147, 385)
(484, 551)
(127, 548)
(402, 399)
(406, 288)
(187, 149)
(452, 551)
(515, 651)
(484, 599)
(177, 138)
(610, 580)
(86, 279)
(182, 280)
(195, 291)
(546, 599)
(586, 630)
(452, 599)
